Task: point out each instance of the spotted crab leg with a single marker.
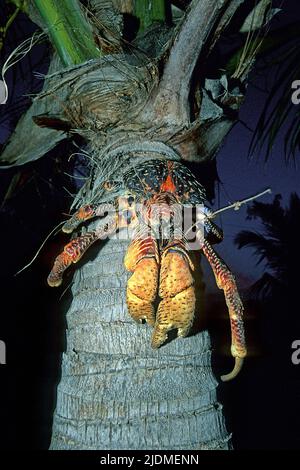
(74, 250)
(226, 281)
(177, 307)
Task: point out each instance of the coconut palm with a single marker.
(275, 246)
(123, 92)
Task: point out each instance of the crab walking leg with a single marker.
(225, 281)
(143, 260)
(74, 250)
(177, 307)
(87, 212)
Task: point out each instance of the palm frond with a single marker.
(272, 216)
(264, 248)
(279, 111)
(264, 288)
(276, 246)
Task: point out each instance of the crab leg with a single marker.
(226, 281)
(74, 250)
(177, 307)
(143, 260)
(86, 212)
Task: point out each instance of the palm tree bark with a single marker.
(115, 391)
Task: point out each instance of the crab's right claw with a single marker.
(143, 261)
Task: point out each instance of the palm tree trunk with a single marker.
(118, 393)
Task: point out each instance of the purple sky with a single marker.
(242, 177)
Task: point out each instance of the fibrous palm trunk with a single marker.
(118, 393)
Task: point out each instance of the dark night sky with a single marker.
(242, 177)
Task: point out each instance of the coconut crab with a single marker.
(153, 196)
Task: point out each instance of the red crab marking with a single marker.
(168, 185)
(85, 212)
(72, 250)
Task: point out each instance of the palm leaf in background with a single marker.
(279, 113)
(276, 246)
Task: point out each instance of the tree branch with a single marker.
(170, 103)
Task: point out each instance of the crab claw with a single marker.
(142, 260)
(83, 214)
(74, 250)
(87, 212)
(176, 290)
(71, 254)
